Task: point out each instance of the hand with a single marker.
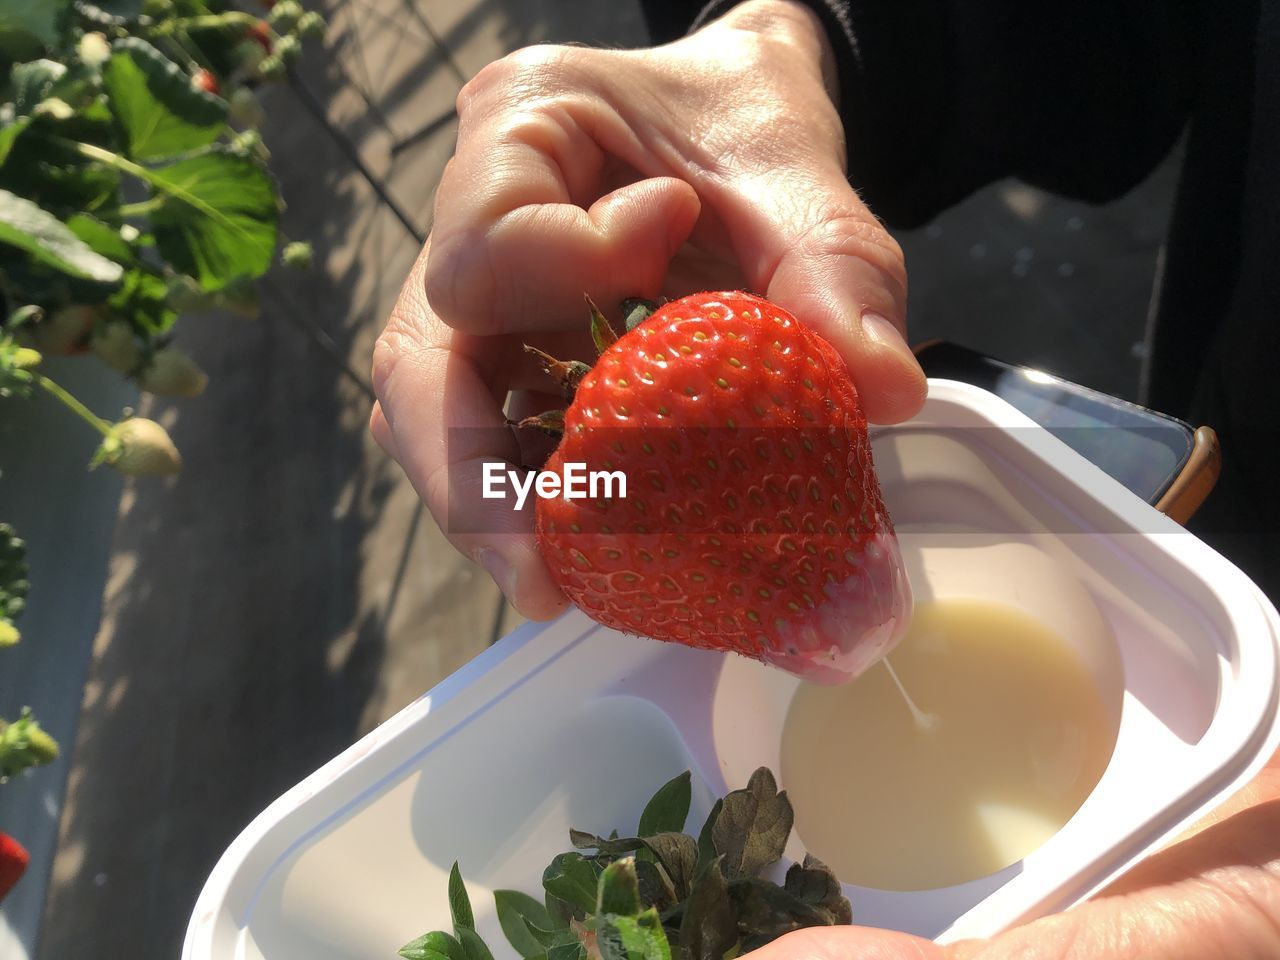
(1213, 895)
(716, 162)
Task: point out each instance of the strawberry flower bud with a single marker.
(271, 68)
(288, 49)
(297, 254)
(9, 634)
(171, 373)
(285, 14)
(138, 447)
(94, 49)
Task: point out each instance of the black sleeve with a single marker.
(940, 97)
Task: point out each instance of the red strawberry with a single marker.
(753, 520)
(261, 33)
(206, 81)
(13, 863)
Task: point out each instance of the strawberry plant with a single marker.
(754, 521)
(661, 893)
(134, 187)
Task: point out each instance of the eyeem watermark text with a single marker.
(576, 483)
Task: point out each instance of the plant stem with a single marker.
(141, 209)
(74, 405)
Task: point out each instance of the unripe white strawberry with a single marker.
(139, 447)
(245, 110)
(115, 345)
(170, 372)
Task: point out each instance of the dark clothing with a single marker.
(941, 97)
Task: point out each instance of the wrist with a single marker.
(797, 24)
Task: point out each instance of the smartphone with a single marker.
(1162, 459)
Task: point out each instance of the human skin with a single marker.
(715, 162)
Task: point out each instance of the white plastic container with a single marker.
(573, 724)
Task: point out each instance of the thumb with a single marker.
(848, 943)
(808, 241)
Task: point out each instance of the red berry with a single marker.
(13, 863)
(260, 32)
(206, 81)
(753, 520)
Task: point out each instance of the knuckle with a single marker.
(857, 233)
(459, 282)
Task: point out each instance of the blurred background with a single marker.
(200, 644)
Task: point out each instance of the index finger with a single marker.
(440, 394)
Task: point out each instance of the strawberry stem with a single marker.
(74, 405)
(567, 373)
(551, 422)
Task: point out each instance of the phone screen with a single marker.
(1142, 449)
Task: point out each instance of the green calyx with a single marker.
(569, 373)
(660, 894)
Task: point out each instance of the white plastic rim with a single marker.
(1200, 716)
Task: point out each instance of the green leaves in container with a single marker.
(218, 219)
(677, 853)
(638, 937)
(516, 913)
(436, 945)
(668, 810)
(618, 889)
(709, 926)
(570, 877)
(814, 883)
(159, 112)
(459, 902)
(48, 241)
(752, 828)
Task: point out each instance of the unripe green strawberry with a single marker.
(753, 520)
(9, 635)
(285, 14)
(244, 108)
(297, 255)
(171, 373)
(23, 744)
(311, 25)
(139, 447)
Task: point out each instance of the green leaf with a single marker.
(159, 111)
(473, 945)
(560, 912)
(678, 854)
(101, 238)
(607, 846)
(706, 843)
(553, 937)
(436, 945)
(33, 82)
(710, 924)
(9, 134)
(48, 241)
(572, 950)
(619, 890)
(28, 25)
(633, 938)
(142, 300)
(572, 879)
(767, 911)
(752, 829)
(459, 902)
(656, 889)
(218, 220)
(814, 883)
(516, 911)
(110, 11)
(669, 808)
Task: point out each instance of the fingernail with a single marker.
(500, 570)
(878, 329)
